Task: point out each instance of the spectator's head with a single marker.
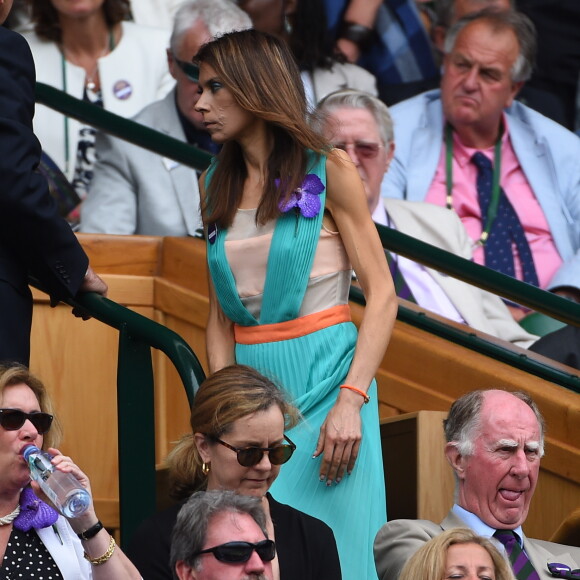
(219, 534)
(5, 7)
(488, 56)
(457, 553)
(361, 125)
(448, 12)
(235, 407)
(195, 23)
(26, 417)
(47, 14)
(495, 440)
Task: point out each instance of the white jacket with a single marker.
(133, 75)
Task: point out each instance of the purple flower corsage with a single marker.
(305, 198)
(34, 513)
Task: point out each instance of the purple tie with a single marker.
(520, 562)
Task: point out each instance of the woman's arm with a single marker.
(219, 332)
(358, 12)
(340, 434)
(115, 565)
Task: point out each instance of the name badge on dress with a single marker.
(211, 233)
(122, 90)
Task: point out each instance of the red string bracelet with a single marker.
(358, 391)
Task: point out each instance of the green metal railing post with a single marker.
(136, 415)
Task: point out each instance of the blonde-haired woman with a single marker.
(458, 553)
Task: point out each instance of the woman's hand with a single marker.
(340, 437)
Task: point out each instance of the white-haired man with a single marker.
(135, 191)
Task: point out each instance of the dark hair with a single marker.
(224, 397)
(522, 27)
(310, 41)
(46, 21)
(464, 419)
(190, 530)
(261, 73)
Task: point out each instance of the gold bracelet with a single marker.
(105, 557)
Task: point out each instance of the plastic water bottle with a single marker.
(70, 498)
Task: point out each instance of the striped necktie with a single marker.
(520, 562)
(401, 287)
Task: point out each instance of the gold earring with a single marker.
(205, 467)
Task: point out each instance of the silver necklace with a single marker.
(10, 517)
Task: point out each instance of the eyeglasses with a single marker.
(250, 456)
(190, 70)
(238, 552)
(362, 149)
(563, 571)
(13, 419)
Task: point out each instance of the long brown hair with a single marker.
(264, 79)
(46, 22)
(223, 398)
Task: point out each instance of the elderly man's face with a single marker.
(356, 131)
(497, 482)
(476, 83)
(227, 527)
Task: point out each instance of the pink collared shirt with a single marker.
(513, 181)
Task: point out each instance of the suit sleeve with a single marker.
(111, 206)
(32, 234)
(397, 541)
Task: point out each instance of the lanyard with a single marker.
(64, 89)
(495, 188)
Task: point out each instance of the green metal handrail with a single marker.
(469, 339)
(135, 398)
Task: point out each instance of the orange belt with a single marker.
(292, 328)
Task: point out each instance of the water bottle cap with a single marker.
(28, 450)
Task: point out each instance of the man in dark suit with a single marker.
(33, 237)
(495, 440)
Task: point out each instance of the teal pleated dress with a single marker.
(311, 368)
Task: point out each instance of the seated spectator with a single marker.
(35, 540)
(389, 39)
(361, 125)
(451, 143)
(238, 443)
(457, 553)
(220, 534)
(495, 441)
(89, 51)
(302, 23)
(448, 12)
(136, 191)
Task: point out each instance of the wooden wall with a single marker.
(166, 280)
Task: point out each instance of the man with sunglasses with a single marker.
(220, 535)
(136, 191)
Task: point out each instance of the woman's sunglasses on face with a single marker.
(239, 552)
(250, 456)
(13, 419)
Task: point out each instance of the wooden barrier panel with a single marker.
(166, 280)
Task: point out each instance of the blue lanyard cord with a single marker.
(495, 188)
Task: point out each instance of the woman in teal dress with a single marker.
(286, 221)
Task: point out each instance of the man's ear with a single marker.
(516, 88)
(184, 571)
(455, 459)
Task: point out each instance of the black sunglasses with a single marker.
(191, 70)
(13, 419)
(238, 552)
(363, 150)
(250, 456)
(563, 571)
